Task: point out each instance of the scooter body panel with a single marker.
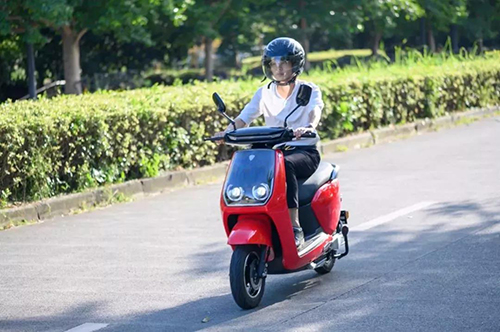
(326, 206)
(251, 229)
(276, 210)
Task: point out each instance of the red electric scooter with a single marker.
(255, 212)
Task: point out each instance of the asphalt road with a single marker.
(425, 254)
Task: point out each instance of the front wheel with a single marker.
(246, 287)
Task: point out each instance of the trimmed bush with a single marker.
(71, 143)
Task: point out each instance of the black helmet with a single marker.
(283, 50)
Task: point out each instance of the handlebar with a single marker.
(221, 138)
(309, 134)
(214, 138)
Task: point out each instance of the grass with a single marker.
(110, 198)
(408, 63)
(341, 148)
(17, 223)
(492, 115)
(320, 56)
(466, 120)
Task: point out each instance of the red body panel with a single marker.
(326, 206)
(251, 229)
(276, 210)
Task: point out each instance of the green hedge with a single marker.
(70, 143)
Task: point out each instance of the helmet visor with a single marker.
(279, 68)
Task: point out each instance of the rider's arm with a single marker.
(238, 123)
(252, 110)
(249, 113)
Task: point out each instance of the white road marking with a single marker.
(88, 327)
(391, 216)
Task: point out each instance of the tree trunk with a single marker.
(480, 45)
(375, 42)
(454, 38)
(194, 59)
(430, 38)
(423, 42)
(305, 42)
(261, 43)
(305, 38)
(31, 72)
(209, 61)
(237, 61)
(71, 58)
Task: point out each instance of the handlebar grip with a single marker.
(213, 139)
(309, 134)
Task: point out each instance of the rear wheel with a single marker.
(246, 287)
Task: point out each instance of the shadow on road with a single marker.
(373, 258)
(381, 258)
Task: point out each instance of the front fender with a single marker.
(254, 229)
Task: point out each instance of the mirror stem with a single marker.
(230, 119)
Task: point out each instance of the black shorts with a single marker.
(300, 163)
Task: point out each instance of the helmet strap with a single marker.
(291, 81)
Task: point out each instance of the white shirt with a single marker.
(275, 109)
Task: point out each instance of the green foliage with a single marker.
(383, 14)
(127, 19)
(12, 69)
(442, 13)
(483, 15)
(316, 57)
(71, 143)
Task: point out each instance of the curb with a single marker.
(65, 204)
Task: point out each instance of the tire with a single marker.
(247, 290)
(328, 266)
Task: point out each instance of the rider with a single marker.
(283, 61)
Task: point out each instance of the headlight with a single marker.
(260, 192)
(235, 193)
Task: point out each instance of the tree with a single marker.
(12, 58)
(236, 23)
(480, 23)
(243, 30)
(441, 15)
(72, 19)
(205, 19)
(379, 17)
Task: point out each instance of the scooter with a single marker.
(255, 211)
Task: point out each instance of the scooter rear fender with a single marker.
(251, 229)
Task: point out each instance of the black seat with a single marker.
(308, 187)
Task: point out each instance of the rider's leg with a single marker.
(297, 230)
(298, 164)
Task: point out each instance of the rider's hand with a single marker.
(301, 131)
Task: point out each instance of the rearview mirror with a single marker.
(222, 108)
(304, 95)
(219, 103)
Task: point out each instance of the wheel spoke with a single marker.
(253, 284)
